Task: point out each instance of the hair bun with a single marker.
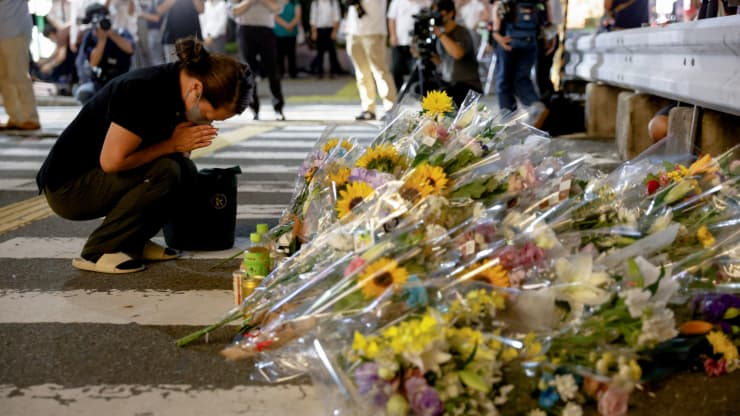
(191, 52)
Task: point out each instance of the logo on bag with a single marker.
(219, 201)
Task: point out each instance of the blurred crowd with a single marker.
(393, 46)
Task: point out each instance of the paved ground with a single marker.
(75, 343)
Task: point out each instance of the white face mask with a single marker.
(194, 115)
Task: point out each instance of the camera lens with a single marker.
(104, 23)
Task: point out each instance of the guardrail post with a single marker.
(683, 123)
(719, 132)
(634, 112)
(601, 110)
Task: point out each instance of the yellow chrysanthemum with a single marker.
(723, 345)
(340, 177)
(333, 142)
(384, 158)
(434, 176)
(367, 347)
(705, 237)
(355, 193)
(380, 275)
(436, 102)
(494, 275)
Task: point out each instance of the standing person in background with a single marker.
(324, 21)
(213, 24)
(515, 30)
(15, 83)
(179, 20)
(547, 44)
(123, 14)
(366, 46)
(286, 31)
(256, 38)
(626, 14)
(150, 16)
(400, 25)
(473, 13)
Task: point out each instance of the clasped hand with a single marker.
(189, 136)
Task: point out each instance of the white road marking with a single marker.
(172, 399)
(143, 307)
(250, 154)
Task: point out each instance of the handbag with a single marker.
(206, 219)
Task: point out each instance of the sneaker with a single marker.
(366, 115)
(279, 116)
(537, 115)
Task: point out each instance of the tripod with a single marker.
(422, 79)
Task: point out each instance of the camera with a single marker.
(97, 16)
(423, 31)
(358, 4)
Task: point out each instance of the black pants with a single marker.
(325, 44)
(542, 69)
(401, 63)
(259, 41)
(135, 203)
(286, 49)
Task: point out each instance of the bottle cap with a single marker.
(263, 228)
(255, 237)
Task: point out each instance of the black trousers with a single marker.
(401, 63)
(260, 41)
(286, 50)
(542, 69)
(135, 203)
(325, 44)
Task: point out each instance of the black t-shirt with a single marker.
(464, 70)
(147, 102)
(180, 22)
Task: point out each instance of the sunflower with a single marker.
(380, 275)
(383, 157)
(436, 103)
(483, 272)
(355, 193)
(340, 177)
(434, 176)
(333, 142)
(414, 191)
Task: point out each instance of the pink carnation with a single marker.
(613, 402)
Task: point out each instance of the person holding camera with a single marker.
(455, 53)
(400, 30)
(106, 52)
(366, 47)
(126, 154)
(516, 27)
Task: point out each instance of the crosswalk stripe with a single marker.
(182, 400)
(250, 154)
(147, 307)
(69, 247)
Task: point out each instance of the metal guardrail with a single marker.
(693, 62)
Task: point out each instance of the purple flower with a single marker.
(371, 177)
(526, 256)
(714, 305)
(312, 162)
(423, 399)
(370, 384)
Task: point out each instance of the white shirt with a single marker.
(214, 18)
(122, 19)
(324, 13)
(403, 11)
(470, 13)
(372, 23)
(257, 15)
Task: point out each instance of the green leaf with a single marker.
(634, 273)
(474, 381)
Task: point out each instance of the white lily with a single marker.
(580, 284)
